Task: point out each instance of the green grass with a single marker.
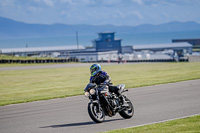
(196, 50)
(19, 86)
(30, 64)
(186, 125)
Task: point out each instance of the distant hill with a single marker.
(14, 29)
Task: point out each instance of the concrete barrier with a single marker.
(194, 58)
(3, 61)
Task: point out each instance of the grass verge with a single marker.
(30, 64)
(19, 86)
(186, 125)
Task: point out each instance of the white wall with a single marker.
(108, 56)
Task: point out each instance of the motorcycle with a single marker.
(104, 102)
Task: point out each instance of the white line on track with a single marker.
(162, 121)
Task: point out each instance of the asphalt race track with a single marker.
(64, 65)
(53, 66)
(69, 115)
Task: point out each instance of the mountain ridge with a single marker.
(10, 29)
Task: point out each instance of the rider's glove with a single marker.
(105, 83)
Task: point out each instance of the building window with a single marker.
(109, 45)
(108, 39)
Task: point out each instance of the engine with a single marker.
(115, 102)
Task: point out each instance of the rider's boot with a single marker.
(124, 102)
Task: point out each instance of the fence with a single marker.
(2, 61)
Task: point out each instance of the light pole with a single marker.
(77, 40)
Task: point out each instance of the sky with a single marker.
(101, 12)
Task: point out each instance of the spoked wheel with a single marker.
(128, 111)
(96, 113)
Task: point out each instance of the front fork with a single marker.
(97, 102)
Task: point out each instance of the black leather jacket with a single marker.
(100, 77)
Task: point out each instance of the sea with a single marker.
(86, 40)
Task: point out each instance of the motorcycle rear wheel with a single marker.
(95, 115)
(129, 111)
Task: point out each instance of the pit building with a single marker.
(107, 48)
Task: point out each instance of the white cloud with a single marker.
(137, 14)
(88, 2)
(138, 2)
(117, 14)
(98, 12)
(7, 3)
(71, 2)
(49, 3)
(111, 2)
(77, 2)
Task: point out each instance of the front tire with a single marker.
(128, 112)
(95, 115)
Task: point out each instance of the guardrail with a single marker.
(2, 61)
(140, 60)
(159, 60)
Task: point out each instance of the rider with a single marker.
(101, 77)
(98, 76)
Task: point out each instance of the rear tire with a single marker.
(97, 117)
(129, 111)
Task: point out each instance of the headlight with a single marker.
(92, 91)
(87, 94)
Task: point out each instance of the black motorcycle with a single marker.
(104, 102)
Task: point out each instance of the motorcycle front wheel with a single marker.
(97, 115)
(128, 111)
